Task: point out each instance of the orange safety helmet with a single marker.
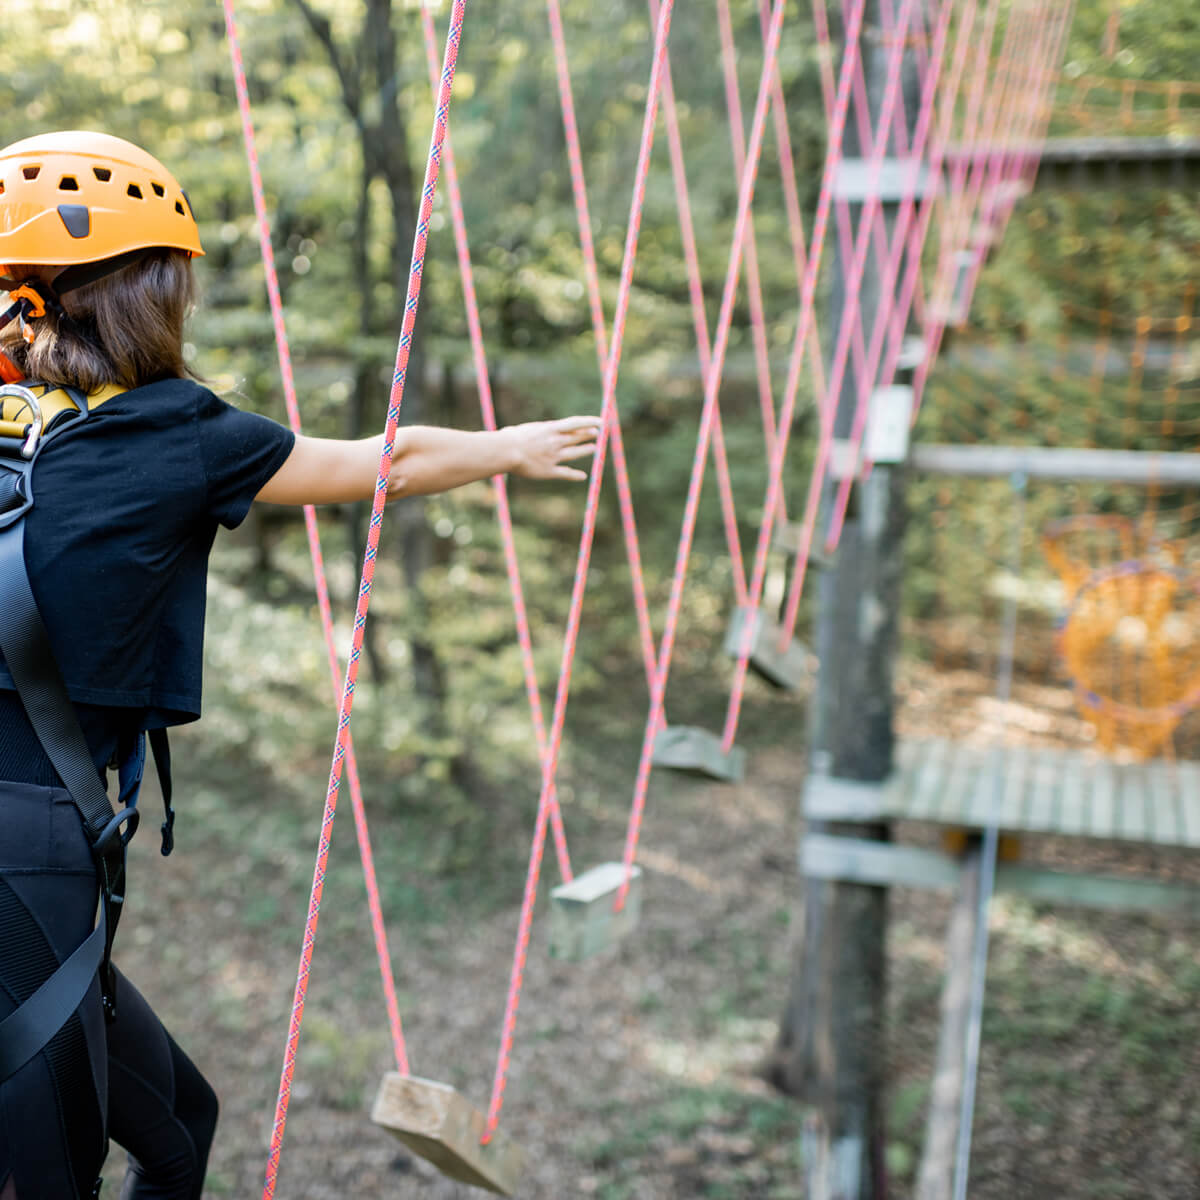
(77, 197)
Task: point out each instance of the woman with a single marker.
(96, 239)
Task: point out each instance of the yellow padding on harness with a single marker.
(15, 415)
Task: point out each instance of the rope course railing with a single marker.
(880, 190)
(1141, 107)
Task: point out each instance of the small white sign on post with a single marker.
(888, 423)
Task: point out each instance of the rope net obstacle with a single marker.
(917, 185)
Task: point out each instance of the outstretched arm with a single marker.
(429, 459)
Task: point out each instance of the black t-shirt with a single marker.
(126, 506)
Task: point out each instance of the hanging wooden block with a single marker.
(787, 669)
(582, 917)
(786, 537)
(437, 1123)
(689, 748)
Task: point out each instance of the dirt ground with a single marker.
(635, 1075)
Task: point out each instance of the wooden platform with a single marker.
(1020, 789)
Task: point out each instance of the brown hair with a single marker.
(125, 328)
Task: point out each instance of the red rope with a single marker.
(503, 514)
(1034, 120)
(691, 260)
(948, 97)
(1002, 102)
(896, 320)
(758, 324)
(441, 116)
(591, 273)
(720, 344)
(883, 323)
(609, 422)
(378, 928)
(800, 342)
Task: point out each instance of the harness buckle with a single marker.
(113, 836)
(29, 399)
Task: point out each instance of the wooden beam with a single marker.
(935, 1179)
(1111, 892)
(859, 860)
(1072, 164)
(437, 1123)
(1144, 468)
(830, 799)
(1068, 164)
(583, 919)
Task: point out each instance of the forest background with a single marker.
(342, 109)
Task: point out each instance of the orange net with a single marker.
(1131, 642)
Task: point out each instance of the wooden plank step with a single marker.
(1187, 780)
(583, 920)
(690, 748)
(1164, 803)
(1103, 799)
(922, 795)
(787, 536)
(785, 668)
(437, 1123)
(1074, 800)
(1045, 771)
(960, 778)
(985, 798)
(1132, 816)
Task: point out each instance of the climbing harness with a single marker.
(31, 415)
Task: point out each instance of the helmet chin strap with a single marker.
(33, 297)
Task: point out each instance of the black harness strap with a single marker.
(26, 649)
(25, 646)
(24, 1032)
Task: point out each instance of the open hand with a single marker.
(542, 448)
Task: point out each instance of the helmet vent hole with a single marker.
(179, 208)
(102, 173)
(68, 183)
(158, 189)
(134, 191)
(30, 172)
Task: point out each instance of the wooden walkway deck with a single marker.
(1023, 789)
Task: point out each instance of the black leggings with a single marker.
(127, 1079)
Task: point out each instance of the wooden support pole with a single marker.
(830, 1047)
(437, 1123)
(935, 1179)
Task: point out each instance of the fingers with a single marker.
(570, 473)
(576, 452)
(578, 426)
